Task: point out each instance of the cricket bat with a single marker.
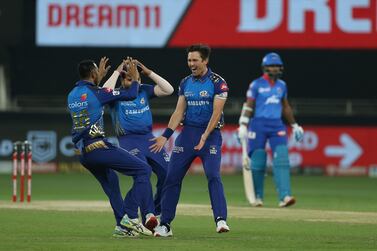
(247, 174)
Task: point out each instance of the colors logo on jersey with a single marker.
(83, 97)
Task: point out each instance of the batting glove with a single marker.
(298, 132)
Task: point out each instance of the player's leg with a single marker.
(110, 185)
(181, 158)
(258, 157)
(210, 155)
(281, 166)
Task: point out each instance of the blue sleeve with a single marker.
(221, 87)
(107, 95)
(285, 93)
(149, 89)
(181, 89)
(252, 91)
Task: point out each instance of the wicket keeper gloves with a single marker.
(298, 132)
(242, 132)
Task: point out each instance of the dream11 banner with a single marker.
(233, 23)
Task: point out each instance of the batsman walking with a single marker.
(267, 101)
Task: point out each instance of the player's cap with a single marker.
(272, 59)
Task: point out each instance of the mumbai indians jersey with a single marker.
(268, 97)
(199, 94)
(85, 104)
(133, 117)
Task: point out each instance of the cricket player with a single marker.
(202, 96)
(267, 101)
(132, 121)
(101, 158)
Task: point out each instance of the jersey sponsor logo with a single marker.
(197, 103)
(203, 94)
(136, 111)
(272, 100)
(166, 157)
(262, 89)
(77, 104)
(84, 96)
(134, 151)
(189, 94)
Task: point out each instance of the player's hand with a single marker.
(158, 145)
(145, 70)
(102, 68)
(246, 162)
(298, 132)
(202, 141)
(132, 69)
(242, 132)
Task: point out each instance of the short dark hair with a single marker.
(85, 67)
(203, 49)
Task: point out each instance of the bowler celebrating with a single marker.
(202, 96)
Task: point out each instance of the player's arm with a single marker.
(218, 106)
(298, 131)
(111, 82)
(162, 87)
(174, 121)
(247, 111)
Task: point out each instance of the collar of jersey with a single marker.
(84, 82)
(201, 79)
(267, 78)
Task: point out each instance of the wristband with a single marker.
(167, 133)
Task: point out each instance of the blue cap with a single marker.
(272, 59)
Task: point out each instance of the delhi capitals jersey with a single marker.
(199, 94)
(133, 117)
(85, 104)
(268, 97)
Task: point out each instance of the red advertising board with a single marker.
(280, 24)
(322, 146)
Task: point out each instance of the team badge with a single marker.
(279, 90)
(224, 87)
(203, 94)
(142, 101)
(212, 150)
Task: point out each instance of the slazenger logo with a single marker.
(272, 100)
(78, 104)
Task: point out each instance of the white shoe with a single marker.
(162, 231)
(122, 232)
(151, 221)
(222, 227)
(288, 201)
(135, 225)
(258, 203)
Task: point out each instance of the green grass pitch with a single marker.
(69, 212)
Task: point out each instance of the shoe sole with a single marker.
(151, 223)
(223, 230)
(290, 203)
(136, 228)
(158, 235)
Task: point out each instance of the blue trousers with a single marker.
(138, 145)
(103, 161)
(180, 161)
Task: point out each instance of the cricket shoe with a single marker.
(151, 222)
(163, 231)
(222, 227)
(135, 225)
(258, 203)
(120, 232)
(287, 201)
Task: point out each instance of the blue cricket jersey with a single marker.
(85, 104)
(199, 94)
(268, 97)
(133, 117)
